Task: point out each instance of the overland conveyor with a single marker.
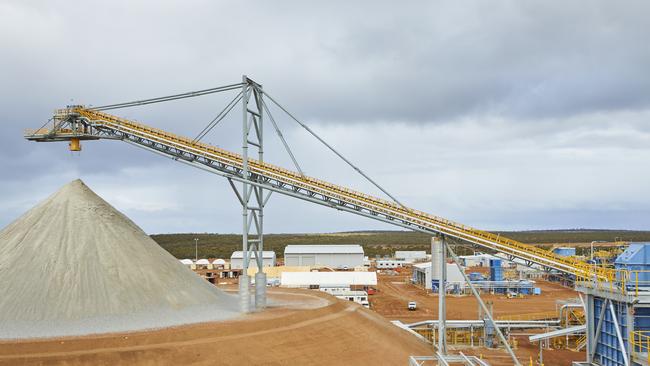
(77, 123)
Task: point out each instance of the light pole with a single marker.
(196, 249)
(592, 248)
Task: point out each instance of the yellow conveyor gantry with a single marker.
(78, 123)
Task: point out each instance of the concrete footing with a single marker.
(244, 293)
(260, 290)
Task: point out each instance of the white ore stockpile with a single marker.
(74, 265)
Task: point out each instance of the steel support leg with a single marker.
(252, 214)
(244, 281)
(438, 244)
(260, 276)
(487, 311)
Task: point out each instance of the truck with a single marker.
(412, 305)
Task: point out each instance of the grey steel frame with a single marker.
(252, 196)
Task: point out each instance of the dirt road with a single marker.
(319, 330)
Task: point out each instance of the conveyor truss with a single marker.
(76, 123)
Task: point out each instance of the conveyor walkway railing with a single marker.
(640, 346)
(79, 123)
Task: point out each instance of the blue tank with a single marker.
(565, 251)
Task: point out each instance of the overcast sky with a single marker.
(499, 114)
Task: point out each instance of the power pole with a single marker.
(196, 249)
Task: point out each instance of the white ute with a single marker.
(412, 305)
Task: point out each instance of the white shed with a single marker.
(336, 256)
(203, 263)
(237, 259)
(218, 263)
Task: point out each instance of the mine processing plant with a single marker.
(259, 179)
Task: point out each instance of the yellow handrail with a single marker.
(640, 341)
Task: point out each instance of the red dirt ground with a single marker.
(319, 330)
(395, 292)
(305, 327)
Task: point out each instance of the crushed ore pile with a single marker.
(74, 265)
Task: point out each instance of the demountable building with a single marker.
(74, 265)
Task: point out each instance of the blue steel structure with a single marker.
(496, 272)
(635, 258)
(618, 312)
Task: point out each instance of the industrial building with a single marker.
(236, 259)
(322, 280)
(342, 256)
(422, 277)
(476, 260)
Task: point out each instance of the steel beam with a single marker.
(619, 336)
(438, 244)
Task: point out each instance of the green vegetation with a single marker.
(375, 243)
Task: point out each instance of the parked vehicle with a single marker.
(412, 305)
(514, 295)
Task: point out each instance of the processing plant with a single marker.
(615, 299)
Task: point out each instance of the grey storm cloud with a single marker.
(506, 114)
